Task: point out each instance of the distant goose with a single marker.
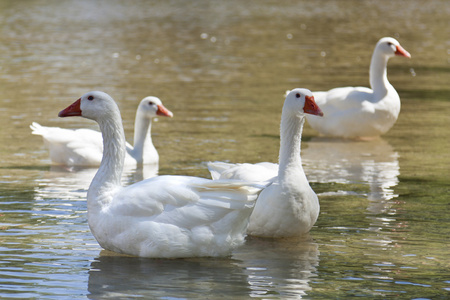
(360, 112)
(84, 147)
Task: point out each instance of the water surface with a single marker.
(222, 67)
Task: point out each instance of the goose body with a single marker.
(165, 216)
(360, 112)
(84, 147)
(288, 206)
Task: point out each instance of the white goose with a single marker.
(360, 112)
(165, 216)
(288, 206)
(84, 147)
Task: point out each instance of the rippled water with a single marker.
(222, 67)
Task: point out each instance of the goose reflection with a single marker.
(123, 277)
(373, 162)
(73, 182)
(260, 268)
(282, 267)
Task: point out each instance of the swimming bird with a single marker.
(164, 216)
(360, 112)
(288, 206)
(84, 147)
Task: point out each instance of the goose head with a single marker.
(151, 107)
(390, 47)
(300, 102)
(93, 105)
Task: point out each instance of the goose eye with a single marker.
(297, 95)
(389, 44)
(150, 103)
(90, 98)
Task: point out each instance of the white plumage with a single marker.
(165, 216)
(84, 147)
(360, 112)
(288, 206)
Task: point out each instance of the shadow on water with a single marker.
(27, 168)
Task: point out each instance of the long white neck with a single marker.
(290, 142)
(142, 136)
(109, 174)
(378, 75)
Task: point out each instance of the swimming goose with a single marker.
(360, 112)
(84, 147)
(288, 206)
(164, 216)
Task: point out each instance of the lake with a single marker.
(222, 68)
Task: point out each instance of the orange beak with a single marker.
(402, 52)
(162, 111)
(311, 107)
(72, 110)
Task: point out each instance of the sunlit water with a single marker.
(222, 67)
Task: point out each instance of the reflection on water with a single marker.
(73, 182)
(371, 162)
(122, 277)
(350, 163)
(279, 267)
(260, 269)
